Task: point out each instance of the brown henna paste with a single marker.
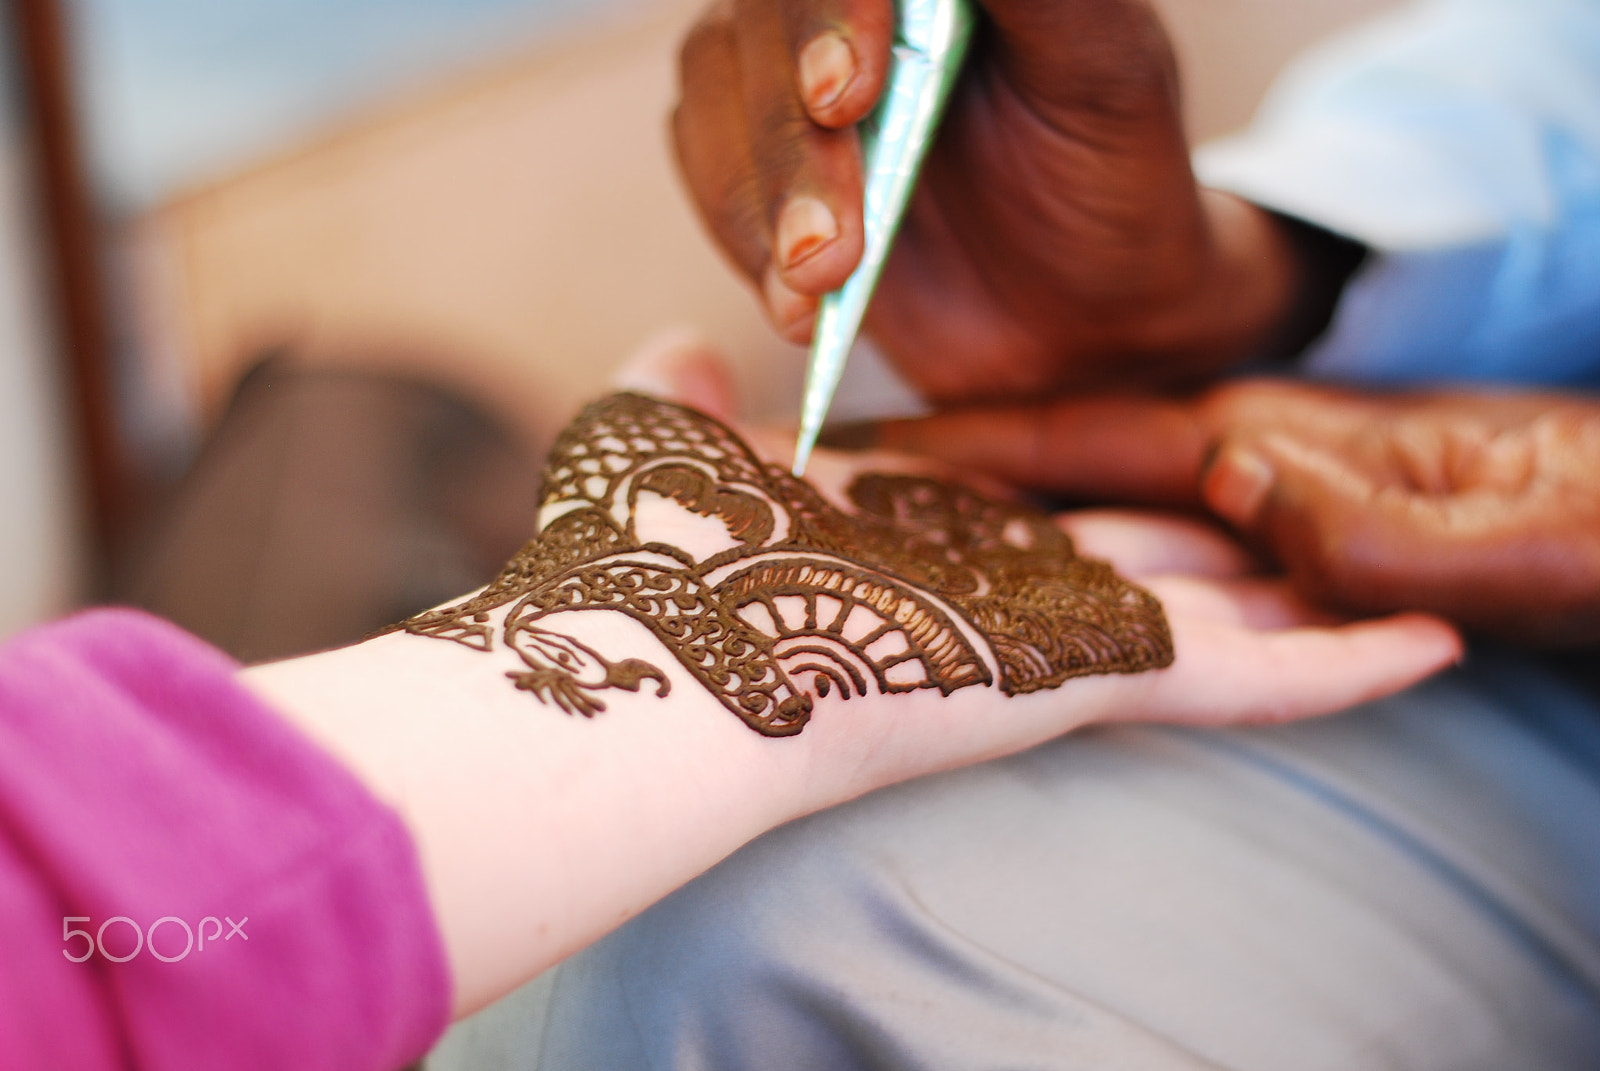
(926, 585)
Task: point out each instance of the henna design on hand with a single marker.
(927, 585)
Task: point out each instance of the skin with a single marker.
(539, 831)
(1057, 238)
(1058, 242)
(1481, 507)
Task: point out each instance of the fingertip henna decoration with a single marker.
(926, 585)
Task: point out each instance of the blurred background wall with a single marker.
(40, 515)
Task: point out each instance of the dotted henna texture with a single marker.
(926, 585)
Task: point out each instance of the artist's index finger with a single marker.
(1110, 449)
(841, 56)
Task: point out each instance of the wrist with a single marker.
(537, 830)
(1243, 294)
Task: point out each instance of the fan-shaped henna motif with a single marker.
(926, 585)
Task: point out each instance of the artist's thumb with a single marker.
(1341, 543)
(1109, 449)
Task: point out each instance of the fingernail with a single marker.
(827, 66)
(804, 226)
(1237, 484)
(791, 312)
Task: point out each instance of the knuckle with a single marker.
(708, 37)
(728, 200)
(1219, 406)
(740, 225)
(785, 139)
(1231, 406)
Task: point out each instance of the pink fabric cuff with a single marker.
(239, 899)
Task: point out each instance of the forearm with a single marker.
(538, 831)
(1268, 288)
(1242, 290)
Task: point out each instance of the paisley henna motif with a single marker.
(926, 585)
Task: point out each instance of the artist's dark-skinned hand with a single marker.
(1483, 508)
(1057, 239)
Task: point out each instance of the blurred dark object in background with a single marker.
(69, 227)
(328, 503)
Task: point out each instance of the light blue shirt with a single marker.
(1460, 141)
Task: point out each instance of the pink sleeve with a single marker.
(281, 915)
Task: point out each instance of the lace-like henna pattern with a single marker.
(926, 585)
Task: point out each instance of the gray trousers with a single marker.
(1413, 884)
